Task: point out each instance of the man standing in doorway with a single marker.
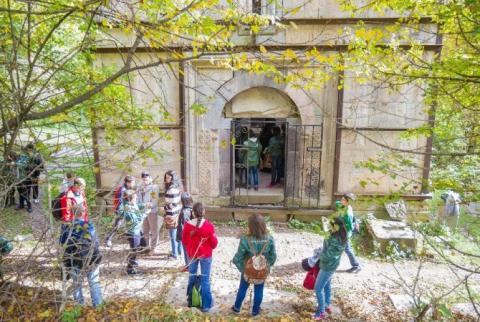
(275, 150)
(252, 160)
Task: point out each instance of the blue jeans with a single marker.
(77, 275)
(176, 246)
(351, 256)
(253, 176)
(276, 164)
(257, 296)
(323, 290)
(205, 268)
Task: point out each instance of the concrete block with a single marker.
(385, 231)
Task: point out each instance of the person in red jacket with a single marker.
(200, 240)
(75, 195)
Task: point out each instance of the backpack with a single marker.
(117, 195)
(256, 267)
(82, 248)
(57, 206)
(6, 246)
(195, 294)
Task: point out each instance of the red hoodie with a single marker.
(199, 242)
(67, 202)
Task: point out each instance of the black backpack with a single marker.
(57, 206)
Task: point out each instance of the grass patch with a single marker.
(13, 222)
(469, 225)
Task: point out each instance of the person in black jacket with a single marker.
(185, 215)
(82, 257)
(36, 167)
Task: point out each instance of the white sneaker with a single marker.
(35, 200)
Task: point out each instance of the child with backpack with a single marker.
(173, 206)
(133, 214)
(82, 256)
(200, 240)
(345, 211)
(329, 260)
(185, 215)
(254, 258)
(118, 197)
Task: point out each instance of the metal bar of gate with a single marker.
(311, 166)
(320, 167)
(232, 162)
(295, 164)
(285, 165)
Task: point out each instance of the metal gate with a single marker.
(304, 181)
(243, 192)
(302, 164)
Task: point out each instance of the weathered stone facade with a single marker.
(205, 149)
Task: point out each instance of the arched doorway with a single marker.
(272, 153)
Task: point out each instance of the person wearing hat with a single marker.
(345, 211)
(118, 198)
(148, 193)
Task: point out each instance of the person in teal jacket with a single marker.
(251, 157)
(333, 248)
(258, 238)
(134, 214)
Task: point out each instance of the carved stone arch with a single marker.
(244, 82)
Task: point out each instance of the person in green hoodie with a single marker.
(134, 214)
(251, 157)
(345, 211)
(259, 239)
(332, 250)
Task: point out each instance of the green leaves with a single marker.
(198, 109)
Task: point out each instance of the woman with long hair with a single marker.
(257, 241)
(200, 240)
(173, 206)
(333, 247)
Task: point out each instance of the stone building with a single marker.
(327, 132)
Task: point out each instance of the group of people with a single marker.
(258, 150)
(21, 173)
(192, 235)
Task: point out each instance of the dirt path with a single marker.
(363, 295)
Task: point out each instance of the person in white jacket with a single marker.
(148, 194)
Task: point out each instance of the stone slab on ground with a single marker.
(401, 302)
(386, 230)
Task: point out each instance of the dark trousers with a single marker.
(24, 191)
(276, 170)
(35, 188)
(10, 197)
(137, 242)
(242, 292)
